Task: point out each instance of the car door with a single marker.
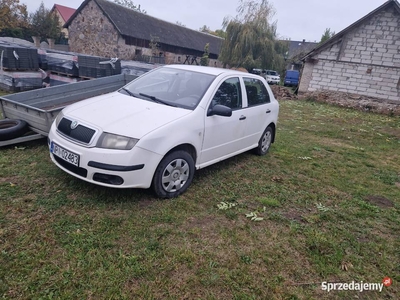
(259, 110)
(223, 136)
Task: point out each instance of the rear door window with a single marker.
(256, 92)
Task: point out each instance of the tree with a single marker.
(221, 33)
(251, 37)
(13, 15)
(205, 29)
(131, 5)
(45, 24)
(180, 24)
(218, 32)
(327, 35)
(204, 60)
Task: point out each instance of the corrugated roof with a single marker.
(65, 12)
(142, 26)
(298, 47)
(342, 33)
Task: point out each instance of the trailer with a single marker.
(38, 108)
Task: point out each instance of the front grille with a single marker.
(74, 169)
(80, 133)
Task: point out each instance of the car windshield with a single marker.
(273, 73)
(170, 86)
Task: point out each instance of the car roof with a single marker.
(206, 70)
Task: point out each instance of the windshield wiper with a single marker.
(128, 91)
(155, 99)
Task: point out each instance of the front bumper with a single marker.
(273, 80)
(112, 168)
(291, 83)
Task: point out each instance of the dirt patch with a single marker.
(144, 203)
(380, 201)
(359, 102)
(294, 216)
(281, 92)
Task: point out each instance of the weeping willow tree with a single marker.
(251, 40)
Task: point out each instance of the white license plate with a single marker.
(64, 154)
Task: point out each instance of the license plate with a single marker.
(64, 154)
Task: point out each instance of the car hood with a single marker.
(124, 115)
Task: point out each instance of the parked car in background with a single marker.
(257, 71)
(291, 78)
(272, 77)
(158, 129)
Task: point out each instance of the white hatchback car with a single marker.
(156, 130)
(272, 77)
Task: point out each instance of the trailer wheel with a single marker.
(11, 129)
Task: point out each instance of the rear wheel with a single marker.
(11, 129)
(173, 175)
(265, 141)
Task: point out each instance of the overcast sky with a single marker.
(297, 19)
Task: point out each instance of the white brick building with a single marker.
(362, 59)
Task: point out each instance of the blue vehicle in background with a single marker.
(291, 78)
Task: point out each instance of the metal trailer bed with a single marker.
(40, 107)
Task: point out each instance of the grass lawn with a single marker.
(322, 206)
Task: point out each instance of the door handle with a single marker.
(242, 117)
(268, 111)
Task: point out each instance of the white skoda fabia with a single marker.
(156, 130)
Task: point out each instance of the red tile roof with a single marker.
(65, 12)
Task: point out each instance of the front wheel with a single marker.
(173, 175)
(265, 141)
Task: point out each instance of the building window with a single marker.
(179, 59)
(138, 51)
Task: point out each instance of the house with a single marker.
(63, 13)
(363, 59)
(296, 50)
(104, 28)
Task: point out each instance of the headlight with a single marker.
(59, 117)
(113, 141)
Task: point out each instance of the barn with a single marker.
(104, 28)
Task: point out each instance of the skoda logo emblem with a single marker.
(74, 124)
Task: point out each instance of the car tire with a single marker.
(173, 175)
(12, 128)
(265, 141)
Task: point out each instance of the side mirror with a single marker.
(220, 110)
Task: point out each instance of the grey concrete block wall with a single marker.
(378, 82)
(365, 61)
